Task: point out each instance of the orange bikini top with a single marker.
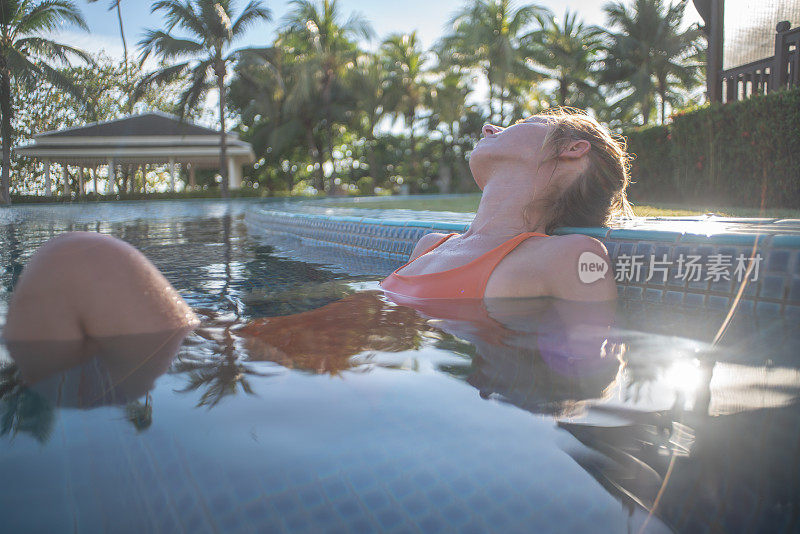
(467, 281)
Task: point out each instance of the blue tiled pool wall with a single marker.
(775, 291)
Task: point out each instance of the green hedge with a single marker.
(727, 154)
(651, 168)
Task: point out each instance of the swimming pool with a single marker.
(309, 402)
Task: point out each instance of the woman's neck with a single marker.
(501, 211)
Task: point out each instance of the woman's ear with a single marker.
(575, 149)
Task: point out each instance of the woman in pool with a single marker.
(551, 170)
(555, 169)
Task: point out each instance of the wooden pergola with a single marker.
(134, 142)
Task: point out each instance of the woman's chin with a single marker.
(478, 164)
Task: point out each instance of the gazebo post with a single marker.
(80, 181)
(172, 174)
(112, 176)
(94, 180)
(234, 174)
(48, 184)
(192, 177)
(65, 175)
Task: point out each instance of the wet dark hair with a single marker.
(599, 193)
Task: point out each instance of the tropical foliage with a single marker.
(105, 95)
(328, 108)
(650, 60)
(737, 154)
(28, 57)
(202, 54)
(567, 52)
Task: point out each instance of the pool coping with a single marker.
(775, 238)
(774, 289)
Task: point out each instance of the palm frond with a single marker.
(47, 49)
(47, 16)
(216, 19)
(167, 46)
(199, 85)
(182, 14)
(253, 12)
(358, 26)
(161, 76)
(27, 73)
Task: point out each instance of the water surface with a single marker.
(308, 401)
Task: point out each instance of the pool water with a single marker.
(309, 401)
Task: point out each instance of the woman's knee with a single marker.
(89, 284)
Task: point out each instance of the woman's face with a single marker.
(505, 148)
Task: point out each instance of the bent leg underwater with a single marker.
(83, 285)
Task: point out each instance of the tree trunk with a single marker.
(502, 105)
(315, 154)
(372, 158)
(491, 102)
(412, 140)
(562, 92)
(6, 131)
(326, 98)
(223, 148)
(129, 103)
(645, 112)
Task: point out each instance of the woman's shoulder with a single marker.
(575, 267)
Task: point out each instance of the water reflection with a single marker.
(212, 365)
(669, 425)
(542, 355)
(326, 339)
(44, 376)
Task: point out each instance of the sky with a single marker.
(428, 17)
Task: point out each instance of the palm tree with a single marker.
(447, 100)
(405, 89)
(366, 82)
(486, 34)
(567, 51)
(218, 376)
(325, 49)
(650, 55)
(205, 52)
(27, 57)
(115, 5)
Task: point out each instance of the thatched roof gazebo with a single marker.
(147, 139)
